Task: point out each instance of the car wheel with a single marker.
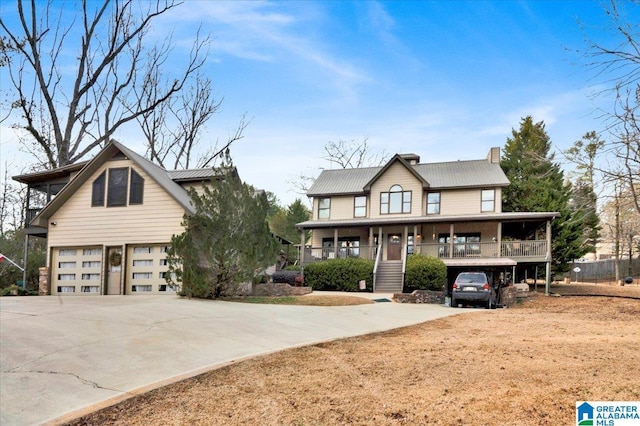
(489, 303)
(454, 303)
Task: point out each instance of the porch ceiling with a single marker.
(401, 220)
(480, 261)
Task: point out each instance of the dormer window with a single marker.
(395, 201)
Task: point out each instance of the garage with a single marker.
(76, 270)
(146, 269)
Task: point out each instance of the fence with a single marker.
(603, 270)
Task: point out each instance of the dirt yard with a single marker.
(527, 365)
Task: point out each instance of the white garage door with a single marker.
(146, 269)
(76, 270)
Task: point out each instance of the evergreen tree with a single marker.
(537, 185)
(225, 243)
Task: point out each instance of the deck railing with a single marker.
(514, 249)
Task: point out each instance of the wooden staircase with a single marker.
(389, 277)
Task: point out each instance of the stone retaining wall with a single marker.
(279, 289)
(420, 296)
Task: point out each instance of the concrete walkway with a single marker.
(64, 356)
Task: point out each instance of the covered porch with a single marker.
(492, 239)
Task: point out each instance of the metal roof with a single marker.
(191, 174)
(448, 175)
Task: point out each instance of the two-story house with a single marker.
(108, 221)
(451, 210)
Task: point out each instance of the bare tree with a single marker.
(118, 75)
(618, 68)
(343, 155)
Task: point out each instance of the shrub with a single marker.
(293, 268)
(288, 277)
(424, 273)
(339, 274)
(261, 279)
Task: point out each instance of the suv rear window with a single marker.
(478, 278)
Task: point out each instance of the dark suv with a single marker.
(473, 288)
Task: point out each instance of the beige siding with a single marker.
(342, 207)
(397, 174)
(462, 201)
(79, 224)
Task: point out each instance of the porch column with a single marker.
(451, 230)
(371, 249)
(302, 245)
(380, 239)
(335, 243)
(548, 277)
(25, 261)
(499, 239)
(416, 247)
(405, 241)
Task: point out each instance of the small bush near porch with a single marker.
(424, 273)
(339, 274)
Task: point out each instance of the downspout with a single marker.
(548, 271)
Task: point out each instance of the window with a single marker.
(164, 249)
(66, 265)
(360, 206)
(66, 277)
(92, 252)
(137, 188)
(97, 191)
(395, 201)
(138, 250)
(163, 262)
(142, 275)
(117, 191)
(146, 262)
(89, 289)
(66, 289)
(463, 244)
(488, 200)
(89, 277)
(347, 247)
(410, 244)
(67, 252)
(433, 203)
(324, 208)
(139, 288)
(91, 264)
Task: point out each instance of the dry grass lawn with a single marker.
(527, 365)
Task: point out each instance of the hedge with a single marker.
(339, 274)
(424, 273)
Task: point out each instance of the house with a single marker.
(451, 210)
(108, 222)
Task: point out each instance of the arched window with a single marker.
(395, 201)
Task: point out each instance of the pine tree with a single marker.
(537, 184)
(226, 242)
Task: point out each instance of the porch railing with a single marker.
(515, 249)
(316, 254)
(519, 249)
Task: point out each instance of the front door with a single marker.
(394, 247)
(114, 269)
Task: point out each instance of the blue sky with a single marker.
(444, 79)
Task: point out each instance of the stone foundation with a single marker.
(420, 296)
(43, 281)
(279, 289)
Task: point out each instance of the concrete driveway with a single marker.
(63, 356)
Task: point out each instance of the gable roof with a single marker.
(436, 176)
(396, 158)
(157, 173)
